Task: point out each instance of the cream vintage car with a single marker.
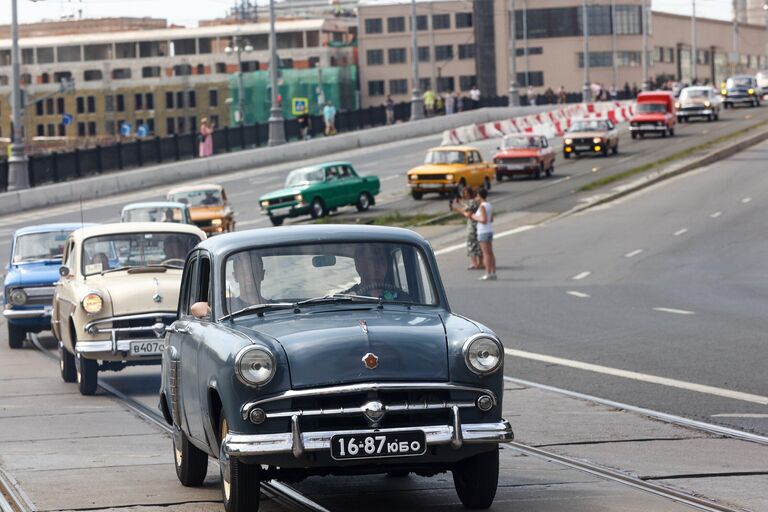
(119, 288)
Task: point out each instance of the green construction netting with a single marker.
(338, 84)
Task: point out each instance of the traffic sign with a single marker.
(142, 131)
(67, 119)
(300, 106)
(125, 129)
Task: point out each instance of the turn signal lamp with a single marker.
(568, 150)
(724, 92)
(750, 91)
(598, 148)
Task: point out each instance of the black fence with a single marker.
(80, 163)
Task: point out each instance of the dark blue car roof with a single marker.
(230, 242)
(44, 228)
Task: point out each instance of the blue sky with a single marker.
(182, 12)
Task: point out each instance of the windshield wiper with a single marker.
(116, 269)
(258, 309)
(340, 297)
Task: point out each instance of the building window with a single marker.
(532, 50)
(424, 55)
(150, 126)
(183, 47)
(200, 69)
(463, 19)
(27, 56)
(169, 99)
(191, 99)
(182, 70)
(170, 125)
(51, 130)
(153, 49)
(45, 55)
(466, 51)
(396, 55)
(97, 51)
(628, 59)
(314, 62)
(150, 71)
(81, 129)
(121, 74)
(120, 103)
(60, 76)
(138, 101)
(398, 86)
(373, 26)
(109, 103)
(179, 103)
(535, 79)
(92, 128)
(396, 24)
(597, 59)
(441, 21)
(92, 75)
(39, 108)
(150, 101)
(376, 88)
(205, 45)
(193, 123)
(629, 19)
(109, 127)
(125, 51)
(557, 22)
(26, 79)
(375, 57)
(467, 81)
(288, 40)
(40, 130)
(213, 98)
(313, 39)
(599, 18)
(220, 68)
(49, 106)
(444, 52)
(60, 105)
(62, 130)
(68, 54)
(425, 83)
(702, 57)
(422, 22)
(45, 78)
(80, 105)
(253, 65)
(181, 125)
(91, 103)
(445, 83)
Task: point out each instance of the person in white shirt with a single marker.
(474, 95)
(484, 218)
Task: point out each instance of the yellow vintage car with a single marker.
(448, 169)
(208, 206)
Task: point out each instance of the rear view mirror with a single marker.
(63, 271)
(327, 260)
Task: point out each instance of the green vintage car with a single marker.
(318, 189)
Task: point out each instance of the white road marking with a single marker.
(582, 275)
(390, 177)
(674, 311)
(642, 377)
(743, 415)
(746, 200)
(715, 215)
(633, 253)
(578, 294)
(242, 223)
(595, 169)
(503, 234)
(681, 231)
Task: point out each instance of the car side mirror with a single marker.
(200, 310)
(63, 271)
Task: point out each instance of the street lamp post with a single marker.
(693, 42)
(18, 175)
(276, 121)
(587, 88)
(417, 104)
(238, 47)
(514, 93)
(646, 86)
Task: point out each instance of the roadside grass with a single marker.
(601, 182)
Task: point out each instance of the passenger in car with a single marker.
(247, 274)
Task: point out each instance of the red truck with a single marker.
(654, 113)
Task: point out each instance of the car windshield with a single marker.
(39, 246)
(646, 108)
(303, 177)
(153, 214)
(590, 125)
(389, 272)
(693, 93)
(743, 81)
(444, 157)
(520, 142)
(125, 250)
(210, 197)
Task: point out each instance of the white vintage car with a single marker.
(118, 290)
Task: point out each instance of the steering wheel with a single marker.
(172, 261)
(364, 290)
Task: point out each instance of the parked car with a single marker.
(208, 206)
(448, 169)
(654, 113)
(157, 211)
(741, 90)
(315, 350)
(118, 290)
(699, 101)
(527, 155)
(592, 136)
(32, 271)
(318, 189)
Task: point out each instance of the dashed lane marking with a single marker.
(642, 377)
(582, 275)
(503, 234)
(388, 178)
(633, 253)
(742, 415)
(242, 223)
(578, 294)
(715, 215)
(746, 200)
(674, 311)
(681, 231)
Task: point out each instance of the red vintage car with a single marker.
(528, 155)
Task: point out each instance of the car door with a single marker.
(331, 189)
(482, 170)
(65, 301)
(350, 184)
(547, 154)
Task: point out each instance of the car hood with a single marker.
(327, 348)
(135, 293)
(200, 213)
(283, 192)
(436, 168)
(33, 273)
(517, 153)
(694, 102)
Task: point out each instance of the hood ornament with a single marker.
(157, 297)
(371, 360)
(363, 326)
(374, 412)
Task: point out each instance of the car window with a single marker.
(188, 284)
(200, 288)
(344, 172)
(478, 158)
(39, 246)
(444, 157)
(69, 255)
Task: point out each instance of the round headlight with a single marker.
(264, 204)
(216, 222)
(483, 354)
(597, 140)
(254, 366)
(449, 177)
(18, 297)
(750, 91)
(568, 141)
(298, 198)
(92, 303)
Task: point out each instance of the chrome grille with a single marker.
(515, 161)
(39, 295)
(281, 200)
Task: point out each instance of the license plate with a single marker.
(407, 443)
(146, 348)
(430, 185)
(583, 148)
(282, 209)
(514, 167)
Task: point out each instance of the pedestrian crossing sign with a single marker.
(300, 106)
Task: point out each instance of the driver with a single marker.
(175, 248)
(209, 198)
(248, 272)
(372, 265)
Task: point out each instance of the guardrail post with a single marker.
(176, 148)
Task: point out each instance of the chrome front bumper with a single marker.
(27, 313)
(113, 350)
(297, 443)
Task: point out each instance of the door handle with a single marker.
(179, 330)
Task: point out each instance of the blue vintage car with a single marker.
(322, 350)
(32, 271)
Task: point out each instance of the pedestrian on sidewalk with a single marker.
(484, 218)
(429, 101)
(389, 107)
(304, 125)
(562, 97)
(450, 103)
(329, 116)
(205, 138)
(474, 96)
(469, 203)
(531, 95)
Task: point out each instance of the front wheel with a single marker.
(476, 479)
(616, 149)
(671, 132)
(363, 201)
(539, 171)
(634, 135)
(487, 184)
(318, 208)
(499, 178)
(16, 336)
(416, 195)
(67, 364)
(87, 375)
(240, 483)
(551, 170)
(277, 221)
(191, 463)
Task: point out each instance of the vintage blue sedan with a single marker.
(328, 350)
(32, 271)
